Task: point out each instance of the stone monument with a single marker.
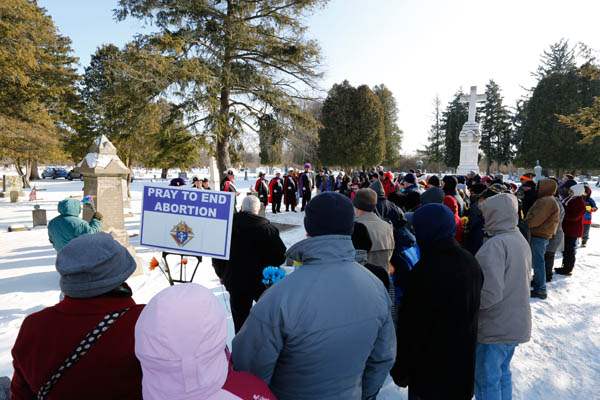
(538, 172)
(470, 136)
(104, 175)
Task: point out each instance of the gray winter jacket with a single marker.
(324, 332)
(505, 259)
(382, 236)
(557, 240)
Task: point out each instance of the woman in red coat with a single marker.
(85, 343)
(574, 205)
(452, 204)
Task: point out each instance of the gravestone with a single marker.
(538, 172)
(11, 183)
(470, 136)
(39, 216)
(104, 175)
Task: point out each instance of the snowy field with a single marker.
(562, 361)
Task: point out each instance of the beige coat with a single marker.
(381, 234)
(543, 218)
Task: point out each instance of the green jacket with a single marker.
(68, 225)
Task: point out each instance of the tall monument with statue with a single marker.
(470, 135)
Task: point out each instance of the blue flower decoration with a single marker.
(272, 275)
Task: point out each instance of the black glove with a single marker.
(97, 215)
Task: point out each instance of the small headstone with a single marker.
(183, 175)
(538, 172)
(39, 216)
(17, 228)
(11, 183)
(14, 196)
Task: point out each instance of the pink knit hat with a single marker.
(180, 340)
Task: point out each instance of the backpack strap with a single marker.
(82, 348)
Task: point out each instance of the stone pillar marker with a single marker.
(470, 135)
(103, 176)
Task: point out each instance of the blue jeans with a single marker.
(538, 249)
(492, 371)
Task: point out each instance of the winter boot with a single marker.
(538, 294)
(562, 271)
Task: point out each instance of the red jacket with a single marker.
(574, 212)
(452, 204)
(109, 371)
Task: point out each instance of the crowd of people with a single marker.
(424, 279)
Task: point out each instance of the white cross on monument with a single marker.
(469, 135)
(473, 99)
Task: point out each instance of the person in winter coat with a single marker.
(449, 187)
(255, 245)
(409, 183)
(381, 232)
(228, 185)
(572, 226)
(528, 195)
(101, 365)
(305, 185)
(543, 218)
(276, 191)
(68, 225)
(437, 321)
(590, 207)
(452, 204)
(362, 243)
(262, 188)
(505, 315)
(473, 233)
(556, 241)
(433, 194)
(290, 188)
(388, 183)
(325, 331)
(181, 342)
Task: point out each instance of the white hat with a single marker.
(578, 190)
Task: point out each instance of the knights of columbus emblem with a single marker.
(182, 234)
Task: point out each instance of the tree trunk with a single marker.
(35, 173)
(128, 164)
(223, 130)
(163, 173)
(23, 174)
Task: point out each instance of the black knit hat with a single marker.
(329, 213)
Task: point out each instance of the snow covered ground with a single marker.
(562, 361)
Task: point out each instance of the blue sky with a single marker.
(418, 48)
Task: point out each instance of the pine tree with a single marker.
(434, 151)
(37, 85)
(453, 119)
(392, 133)
(559, 58)
(563, 90)
(496, 130)
(353, 127)
(270, 141)
(234, 61)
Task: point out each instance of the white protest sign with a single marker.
(187, 221)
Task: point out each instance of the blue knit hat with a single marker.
(91, 265)
(329, 213)
(433, 223)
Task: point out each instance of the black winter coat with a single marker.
(255, 244)
(437, 324)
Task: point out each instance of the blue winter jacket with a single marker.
(68, 225)
(324, 332)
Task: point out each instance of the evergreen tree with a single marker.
(496, 129)
(434, 151)
(270, 141)
(234, 61)
(392, 133)
(37, 85)
(353, 127)
(559, 58)
(563, 90)
(453, 119)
